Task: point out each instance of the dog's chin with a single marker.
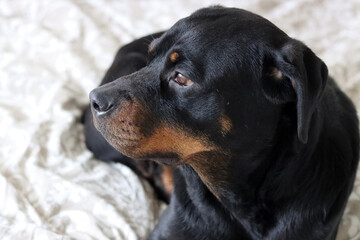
(131, 148)
(125, 144)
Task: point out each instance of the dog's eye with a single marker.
(182, 80)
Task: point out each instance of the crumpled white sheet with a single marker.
(52, 53)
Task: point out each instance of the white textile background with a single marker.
(52, 53)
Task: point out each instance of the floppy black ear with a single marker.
(295, 73)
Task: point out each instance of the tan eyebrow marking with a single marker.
(174, 56)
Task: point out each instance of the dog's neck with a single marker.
(238, 180)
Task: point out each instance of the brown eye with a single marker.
(182, 80)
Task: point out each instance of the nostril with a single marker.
(99, 103)
(96, 106)
(101, 108)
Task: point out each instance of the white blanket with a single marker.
(52, 53)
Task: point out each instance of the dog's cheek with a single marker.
(170, 139)
(201, 108)
(225, 125)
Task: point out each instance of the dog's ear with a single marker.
(295, 73)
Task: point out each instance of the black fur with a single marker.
(285, 167)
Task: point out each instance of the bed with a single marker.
(52, 53)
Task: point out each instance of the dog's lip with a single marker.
(124, 138)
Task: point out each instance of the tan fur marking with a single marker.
(213, 168)
(167, 178)
(167, 139)
(122, 128)
(226, 124)
(174, 56)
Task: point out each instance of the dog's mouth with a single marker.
(123, 127)
(131, 130)
(125, 132)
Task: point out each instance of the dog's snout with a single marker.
(107, 97)
(100, 102)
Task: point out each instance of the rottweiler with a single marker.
(258, 141)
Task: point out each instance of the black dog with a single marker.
(264, 144)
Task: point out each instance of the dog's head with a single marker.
(216, 83)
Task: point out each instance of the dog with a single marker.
(258, 141)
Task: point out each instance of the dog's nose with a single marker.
(100, 102)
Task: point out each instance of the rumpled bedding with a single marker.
(52, 53)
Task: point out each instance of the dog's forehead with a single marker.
(218, 25)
